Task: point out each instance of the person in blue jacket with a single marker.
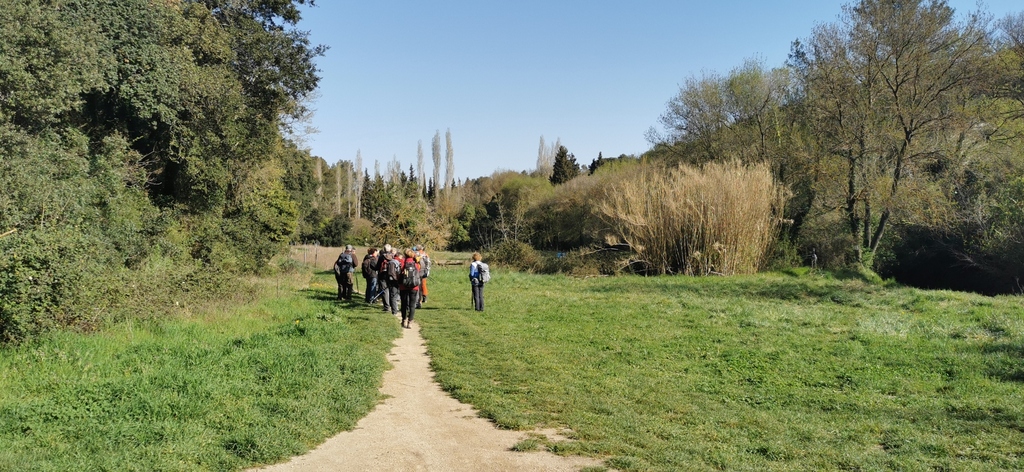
(476, 281)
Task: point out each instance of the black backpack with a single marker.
(393, 270)
(344, 264)
(410, 274)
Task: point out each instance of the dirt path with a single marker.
(421, 428)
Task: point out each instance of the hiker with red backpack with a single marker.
(409, 285)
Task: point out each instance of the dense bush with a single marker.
(569, 217)
(516, 255)
(142, 154)
(589, 262)
(49, 279)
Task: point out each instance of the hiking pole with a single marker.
(375, 297)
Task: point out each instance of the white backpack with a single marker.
(485, 272)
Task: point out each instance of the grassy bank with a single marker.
(217, 389)
(767, 372)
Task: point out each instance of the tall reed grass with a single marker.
(722, 218)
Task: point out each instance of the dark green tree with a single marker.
(566, 167)
(596, 163)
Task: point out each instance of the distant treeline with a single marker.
(894, 132)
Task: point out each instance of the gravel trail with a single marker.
(420, 428)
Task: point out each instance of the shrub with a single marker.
(786, 254)
(48, 280)
(588, 262)
(568, 217)
(827, 237)
(361, 233)
(516, 255)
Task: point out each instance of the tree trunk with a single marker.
(897, 175)
(880, 230)
(866, 241)
(851, 205)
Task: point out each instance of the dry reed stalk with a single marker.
(719, 219)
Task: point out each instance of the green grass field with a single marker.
(229, 387)
(767, 372)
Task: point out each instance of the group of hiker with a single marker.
(399, 278)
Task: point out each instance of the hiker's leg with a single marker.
(414, 299)
(396, 299)
(478, 297)
(350, 281)
(371, 288)
(405, 305)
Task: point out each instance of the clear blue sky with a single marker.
(499, 75)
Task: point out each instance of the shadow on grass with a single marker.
(319, 295)
(325, 296)
(987, 417)
(1006, 361)
(786, 288)
(1011, 349)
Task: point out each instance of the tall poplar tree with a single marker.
(337, 189)
(421, 173)
(319, 167)
(358, 190)
(436, 155)
(449, 155)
